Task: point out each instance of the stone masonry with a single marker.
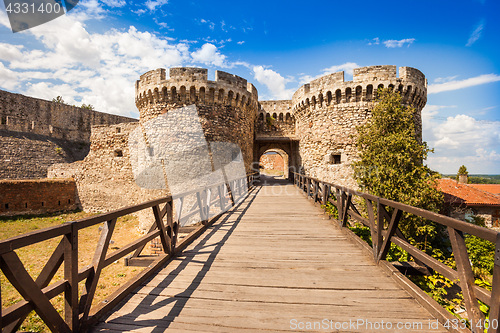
(36, 133)
(313, 132)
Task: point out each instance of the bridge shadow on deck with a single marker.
(223, 227)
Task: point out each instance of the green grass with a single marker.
(36, 255)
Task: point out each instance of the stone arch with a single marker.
(270, 148)
(328, 98)
(280, 117)
(275, 116)
(150, 97)
(237, 99)
(182, 94)
(165, 94)
(230, 97)
(391, 87)
(220, 97)
(173, 94)
(359, 92)
(320, 100)
(407, 94)
(202, 95)
(369, 92)
(348, 94)
(156, 95)
(192, 94)
(211, 95)
(288, 118)
(338, 96)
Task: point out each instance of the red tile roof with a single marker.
(492, 188)
(456, 193)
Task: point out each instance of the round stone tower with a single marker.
(328, 110)
(227, 107)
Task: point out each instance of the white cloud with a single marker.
(10, 52)
(273, 81)
(211, 25)
(85, 67)
(460, 84)
(153, 4)
(4, 19)
(462, 139)
(241, 42)
(347, 67)
(8, 78)
(115, 3)
(393, 43)
(374, 41)
(476, 34)
(445, 79)
(208, 54)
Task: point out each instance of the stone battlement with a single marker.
(332, 88)
(188, 85)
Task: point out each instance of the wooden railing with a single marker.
(79, 312)
(384, 231)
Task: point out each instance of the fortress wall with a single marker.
(28, 155)
(328, 111)
(104, 178)
(36, 133)
(283, 122)
(37, 196)
(19, 113)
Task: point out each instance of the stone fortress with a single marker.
(313, 132)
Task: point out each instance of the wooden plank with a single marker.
(43, 279)
(393, 225)
(466, 277)
(71, 307)
(98, 263)
(260, 264)
(21, 280)
(495, 292)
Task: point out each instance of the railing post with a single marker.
(71, 307)
(308, 185)
(495, 292)
(326, 193)
(380, 227)
(466, 278)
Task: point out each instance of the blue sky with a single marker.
(96, 52)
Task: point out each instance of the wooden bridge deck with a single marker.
(273, 263)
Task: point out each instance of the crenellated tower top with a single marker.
(188, 85)
(332, 89)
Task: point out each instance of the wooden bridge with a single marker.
(273, 262)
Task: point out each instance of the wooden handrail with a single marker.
(78, 308)
(382, 238)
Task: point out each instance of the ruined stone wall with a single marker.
(36, 133)
(19, 113)
(105, 180)
(328, 110)
(275, 119)
(227, 107)
(28, 155)
(37, 196)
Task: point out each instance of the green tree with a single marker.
(87, 106)
(462, 171)
(391, 165)
(58, 99)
